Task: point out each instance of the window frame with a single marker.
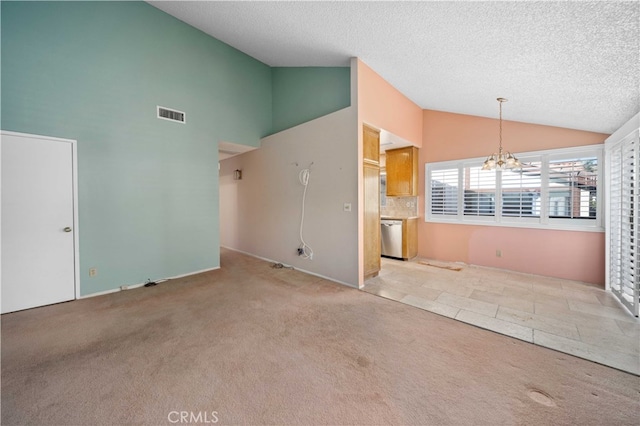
(499, 219)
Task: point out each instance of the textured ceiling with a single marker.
(568, 64)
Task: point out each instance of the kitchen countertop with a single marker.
(398, 217)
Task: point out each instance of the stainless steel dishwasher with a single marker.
(391, 233)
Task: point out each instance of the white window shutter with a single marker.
(623, 202)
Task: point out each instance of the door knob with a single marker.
(67, 229)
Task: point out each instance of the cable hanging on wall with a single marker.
(304, 250)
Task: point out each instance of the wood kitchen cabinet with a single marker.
(402, 172)
(371, 220)
(409, 238)
(371, 207)
(371, 144)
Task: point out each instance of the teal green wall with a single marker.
(148, 188)
(302, 94)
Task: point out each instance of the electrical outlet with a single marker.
(498, 253)
(347, 207)
(93, 272)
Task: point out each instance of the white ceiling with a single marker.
(568, 64)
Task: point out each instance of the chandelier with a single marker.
(500, 161)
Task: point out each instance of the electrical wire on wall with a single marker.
(304, 250)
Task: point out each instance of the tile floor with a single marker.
(572, 317)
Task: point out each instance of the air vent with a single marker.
(171, 115)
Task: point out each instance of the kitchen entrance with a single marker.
(398, 198)
(391, 199)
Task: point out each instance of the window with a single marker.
(521, 190)
(444, 192)
(479, 192)
(552, 189)
(573, 188)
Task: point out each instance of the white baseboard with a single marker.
(133, 286)
(290, 266)
(100, 293)
(192, 273)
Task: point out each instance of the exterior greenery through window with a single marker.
(555, 188)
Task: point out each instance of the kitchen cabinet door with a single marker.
(371, 220)
(402, 172)
(371, 144)
(409, 238)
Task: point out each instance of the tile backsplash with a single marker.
(400, 207)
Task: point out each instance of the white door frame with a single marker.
(76, 229)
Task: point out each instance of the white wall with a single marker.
(260, 214)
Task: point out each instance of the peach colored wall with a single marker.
(565, 254)
(448, 136)
(383, 106)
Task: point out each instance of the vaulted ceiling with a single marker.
(567, 64)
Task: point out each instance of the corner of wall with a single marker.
(355, 103)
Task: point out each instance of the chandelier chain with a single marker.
(499, 160)
(500, 102)
(500, 127)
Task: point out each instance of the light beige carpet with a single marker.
(258, 345)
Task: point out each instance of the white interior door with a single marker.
(38, 243)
